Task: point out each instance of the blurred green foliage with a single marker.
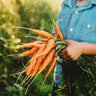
(28, 13)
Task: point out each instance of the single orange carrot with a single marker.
(51, 67)
(30, 52)
(47, 60)
(30, 66)
(50, 44)
(39, 32)
(42, 33)
(58, 32)
(30, 45)
(34, 44)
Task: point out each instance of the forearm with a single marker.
(89, 48)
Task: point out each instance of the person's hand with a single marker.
(72, 51)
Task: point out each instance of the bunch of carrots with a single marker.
(43, 52)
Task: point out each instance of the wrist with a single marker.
(83, 47)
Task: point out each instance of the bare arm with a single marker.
(89, 48)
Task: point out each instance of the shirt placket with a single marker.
(71, 29)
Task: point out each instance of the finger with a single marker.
(63, 56)
(62, 52)
(66, 59)
(68, 41)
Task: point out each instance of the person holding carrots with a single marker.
(77, 22)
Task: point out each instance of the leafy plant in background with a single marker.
(7, 38)
(16, 91)
(21, 13)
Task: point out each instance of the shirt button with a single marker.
(76, 12)
(71, 29)
(61, 19)
(88, 26)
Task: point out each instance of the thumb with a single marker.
(68, 41)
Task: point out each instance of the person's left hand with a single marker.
(72, 51)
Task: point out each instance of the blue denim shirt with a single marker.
(76, 23)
